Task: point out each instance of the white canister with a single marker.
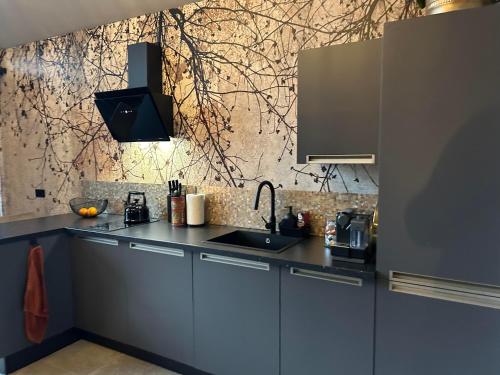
(195, 207)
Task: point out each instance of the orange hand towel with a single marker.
(36, 308)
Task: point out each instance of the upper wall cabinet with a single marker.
(338, 103)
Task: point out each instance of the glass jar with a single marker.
(178, 211)
(330, 231)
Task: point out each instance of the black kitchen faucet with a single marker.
(271, 225)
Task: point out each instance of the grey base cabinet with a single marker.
(327, 323)
(418, 335)
(236, 316)
(135, 293)
(100, 278)
(160, 300)
(13, 267)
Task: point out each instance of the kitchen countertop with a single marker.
(309, 253)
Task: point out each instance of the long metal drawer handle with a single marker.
(156, 249)
(100, 240)
(442, 283)
(235, 261)
(445, 294)
(445, 289)
(340, 279)
(339, 159)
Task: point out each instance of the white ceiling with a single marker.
(23, 21)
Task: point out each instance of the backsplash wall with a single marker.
(234, 206)
(231, 67)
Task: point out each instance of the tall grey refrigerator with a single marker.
(438, 295)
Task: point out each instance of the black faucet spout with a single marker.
(271, 224)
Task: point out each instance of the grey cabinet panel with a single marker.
(327, 326)
(440, 134)
(58, 279)
(13, 266)
(100, 275)
(338, 100)
(236, 315)
(417, 335)
(160, 301)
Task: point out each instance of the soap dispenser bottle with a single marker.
(290, 220)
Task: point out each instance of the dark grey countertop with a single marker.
(43, 225)
(309, 253)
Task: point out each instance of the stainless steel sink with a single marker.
(255, 241)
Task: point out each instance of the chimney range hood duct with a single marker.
(140, 113)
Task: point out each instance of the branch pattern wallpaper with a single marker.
(231, 67)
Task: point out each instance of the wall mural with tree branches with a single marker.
(231, 67)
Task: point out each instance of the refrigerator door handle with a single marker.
(445, 289)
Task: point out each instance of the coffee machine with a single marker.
(135, 211)
(354, 240)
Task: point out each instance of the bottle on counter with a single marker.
(289, 221)
(303, 219)
(330, 231)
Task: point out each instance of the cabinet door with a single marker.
(13, 266)
(160, 300)
(418, 335)
(338, 101)
(439, 135)
(100, 287)
(327, 323)
(236, 315)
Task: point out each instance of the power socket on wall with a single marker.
(40, 193)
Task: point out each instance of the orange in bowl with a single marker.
(92, 211)
(83, 211)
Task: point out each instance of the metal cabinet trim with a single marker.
(99, 240)
(239, 262)
(339, 279)
(445, 289)
(341, 159)
(156, 249)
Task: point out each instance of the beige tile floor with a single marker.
(85, 358)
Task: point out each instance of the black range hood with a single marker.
(140, 113)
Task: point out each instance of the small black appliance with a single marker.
(354, 239)
(342, 223)
(135, 210)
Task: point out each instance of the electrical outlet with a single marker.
(40, 193)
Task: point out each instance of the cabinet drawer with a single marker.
(99, 283)
(160, 300)
(236, 315)
(327, 323)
